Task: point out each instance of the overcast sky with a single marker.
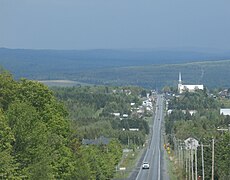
(97, 24)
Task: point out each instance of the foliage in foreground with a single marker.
(37, 142)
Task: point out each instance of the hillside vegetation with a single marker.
(67, 132)
(146, 68)
(203, 125)
(211, 74)
(38, 141)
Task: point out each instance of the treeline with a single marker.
(203, 125)
(211, 73)
(38, 141)
(148, 69)
(105, 111)
(68, 64)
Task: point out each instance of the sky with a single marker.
(114, 24)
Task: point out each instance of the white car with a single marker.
(145, 165)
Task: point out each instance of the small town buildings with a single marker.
(190, 88)
(191, 112)
(225, 111)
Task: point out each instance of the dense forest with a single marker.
(65, 133)
(202, 125)
(210, 73)
(146, 68)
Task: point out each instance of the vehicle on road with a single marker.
(145, 165)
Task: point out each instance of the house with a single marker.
(132, 104)
(191, 112)
(225, 111)
(100, 141)
(191, 143)
(147, 103)
(169, 111)
(116, 114)
(131, 129)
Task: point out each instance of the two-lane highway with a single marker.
(154, 151)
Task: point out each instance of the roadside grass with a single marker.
(175, 172)
(148, 119)
(129, 161)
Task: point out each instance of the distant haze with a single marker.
(114, 24)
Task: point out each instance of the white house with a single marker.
(191, 143)
(169, 111)
(191, 112)
(116, 114)
(190, 88)
(132, 104)
(225, 111)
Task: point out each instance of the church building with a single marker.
(190, 88)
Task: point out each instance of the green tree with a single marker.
(223, 156)
(8, 165)
(37, 94)
(30, 146)
(8, 89)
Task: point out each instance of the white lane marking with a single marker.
(141, 164)
(159, 165)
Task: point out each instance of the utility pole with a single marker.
(179, 155)
(186, 163)
(182, 156)
(192, 163)
(202, 159)
(192, 145)
(189, 165)
(213, 158)
(196, 162)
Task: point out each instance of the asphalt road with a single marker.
(155, 152)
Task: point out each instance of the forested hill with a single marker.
(35, 63)
(146, 68)
(212, 74)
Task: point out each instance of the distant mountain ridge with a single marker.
(95, 66)
(109, 58)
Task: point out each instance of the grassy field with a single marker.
(63, 83)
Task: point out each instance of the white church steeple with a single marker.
(180, 86)
(190, 88)
(180, 81)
